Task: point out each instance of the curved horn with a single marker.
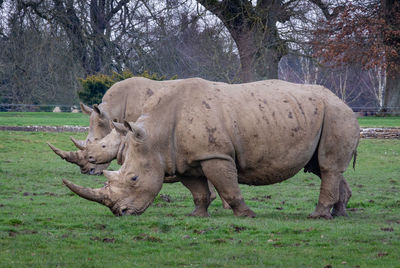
(80, 144)
(96, 195)
(72, 157)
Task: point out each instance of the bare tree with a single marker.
(36, 66)
(254, 27)
(88, 25)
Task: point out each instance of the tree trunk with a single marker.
(254, 30)
(391, 101)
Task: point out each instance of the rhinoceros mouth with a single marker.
(93, 171)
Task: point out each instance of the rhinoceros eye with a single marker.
(134, 178)
(103, 146)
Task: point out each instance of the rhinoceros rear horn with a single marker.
(72, 157)
(86, 109)
(97, 195)
(80, 144)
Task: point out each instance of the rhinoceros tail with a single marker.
(354, 160)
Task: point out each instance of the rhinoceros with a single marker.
(257, 133)
(123, 101)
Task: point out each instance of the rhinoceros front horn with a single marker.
(80, 144)
(98, 195)
(72, 157)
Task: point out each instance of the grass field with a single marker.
(42, 224)
(60, 119)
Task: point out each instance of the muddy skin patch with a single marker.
(211, 138)
(265, 119)
(149, 92)
(206, 104)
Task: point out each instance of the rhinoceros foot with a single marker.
(245, 213)
(321, 212)
(320, 216)
(199, 213)
(339, 210)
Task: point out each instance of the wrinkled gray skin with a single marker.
(123, 101)
(257, 134)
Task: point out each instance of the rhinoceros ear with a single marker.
(140, 133)
(86, 109)
(120, 128)
(99, 111)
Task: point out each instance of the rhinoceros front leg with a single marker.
(223, 175)
(339, 208)
(201, 195)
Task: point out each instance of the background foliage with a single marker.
(46, 45)
(95, 86)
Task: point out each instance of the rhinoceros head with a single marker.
(99, 127)
(99, 123)
(110, 147)
(130, 190)
(79, 157)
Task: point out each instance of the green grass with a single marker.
(42, 224)
(43, 119)
(60, 119)
(373, 121)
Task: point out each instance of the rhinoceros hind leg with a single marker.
(201, 195)
(225, 204)
(339, 209)
(329, 194)
(223, 175)
(213, 195)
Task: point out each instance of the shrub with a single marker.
(95, 86)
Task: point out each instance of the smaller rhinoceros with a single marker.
(123, 101)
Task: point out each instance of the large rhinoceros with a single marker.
(257, 134)
(123, 101)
